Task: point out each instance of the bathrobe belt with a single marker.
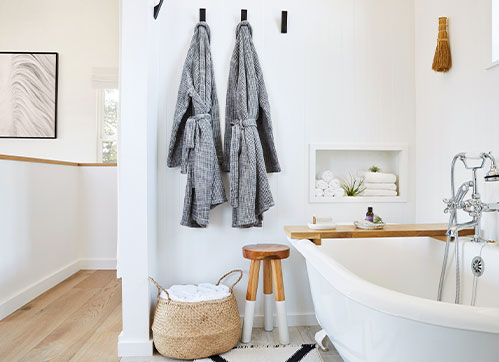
(192, 136)
(235, 148)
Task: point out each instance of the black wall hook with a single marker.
(284, 22)
(202, 14)
(244, 14)
(157, 8)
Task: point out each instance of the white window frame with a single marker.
(103, 79)
(101, 138)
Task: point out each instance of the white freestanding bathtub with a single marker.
(376, 299)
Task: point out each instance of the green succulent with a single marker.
(353, 186)
(374, 168)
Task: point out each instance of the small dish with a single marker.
(322, 226)
(367, 225)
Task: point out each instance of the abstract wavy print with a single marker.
(28, 95)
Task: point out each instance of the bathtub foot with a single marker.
(320, 338)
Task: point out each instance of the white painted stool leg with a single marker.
(249, 313)
(280, 301)
(320, 338)
(282, 322)
(268, 319)
(268, 322)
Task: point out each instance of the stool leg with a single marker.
(268, 320)
(249, 309)
(282, 321)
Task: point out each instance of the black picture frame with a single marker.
(56, 89)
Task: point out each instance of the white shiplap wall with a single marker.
(344, 73)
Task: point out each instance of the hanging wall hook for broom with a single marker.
(157, 8)
(244, 14)
(202, 14)
(284, 22)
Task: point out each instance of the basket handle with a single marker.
(160, 288)
(229, 273)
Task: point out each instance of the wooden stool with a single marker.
(271, 254)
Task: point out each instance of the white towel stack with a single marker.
(379, 184)
(328, 186)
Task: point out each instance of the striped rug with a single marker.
(279, 353)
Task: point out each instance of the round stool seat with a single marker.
(265, 251)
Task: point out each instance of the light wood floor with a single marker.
(77, 320)
(80, 320)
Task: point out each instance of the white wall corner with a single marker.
(98, 264)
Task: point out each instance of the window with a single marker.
(495, 30)
(107, 115)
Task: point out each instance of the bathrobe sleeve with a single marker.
(264, 122)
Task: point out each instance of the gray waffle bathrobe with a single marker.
(196, 143)
(248, 134)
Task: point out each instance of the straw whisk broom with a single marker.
(442, 58)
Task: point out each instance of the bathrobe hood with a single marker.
(196, 143)
(248, 134)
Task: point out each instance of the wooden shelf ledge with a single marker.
(350, 231)
(54, 162)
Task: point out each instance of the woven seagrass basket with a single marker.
(186, 330)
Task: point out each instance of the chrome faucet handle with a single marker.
(449, 205)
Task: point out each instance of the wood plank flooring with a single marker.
(79, 320)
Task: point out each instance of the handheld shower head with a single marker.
(493, 174)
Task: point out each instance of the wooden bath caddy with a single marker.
(436, 231)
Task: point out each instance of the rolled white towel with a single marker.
(371, 192)
(197, 293)
(380, 186)
(335, 183)
(321, 184)
(319, 192)
(327, 176)
(339, 192)
(329, 192)
(379, 177)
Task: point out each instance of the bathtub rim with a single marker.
(391, 302)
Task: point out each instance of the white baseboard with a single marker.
(98, 264)
(26, 295)
(301, 319)
(127, 348)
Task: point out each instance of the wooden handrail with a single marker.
(54, 162)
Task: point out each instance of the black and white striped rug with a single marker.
(279, 353)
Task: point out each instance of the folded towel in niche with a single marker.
(380, 186)
(370, 192)
(379, 177)
(321, 184)
(319, 192)
(327, 176)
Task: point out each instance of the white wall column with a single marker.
(137, 172)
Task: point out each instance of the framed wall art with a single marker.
(28, 94)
